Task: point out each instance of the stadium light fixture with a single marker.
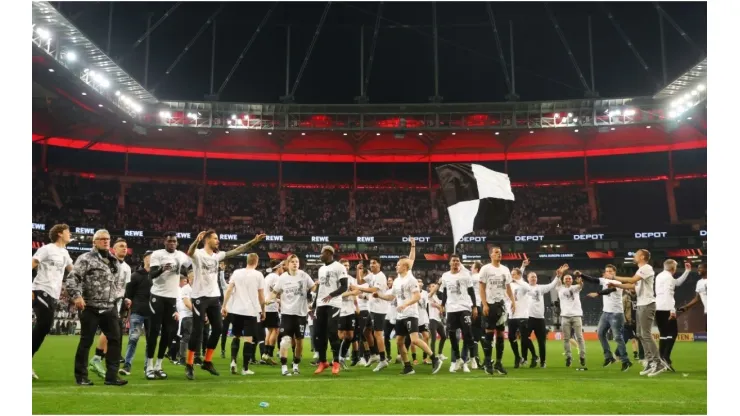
(227, 132)
(233, 116)
(100, 105)
(575, 119)
(453, 133)
(648, 127)
(71, 56)
(672, 114)
(617, 113)
(159, 129)
(531, 132)
(51, 69)
(123, 121)
(556, 115)
(613, 128)
(688, 118)
(137, 108)
(84, 93)
(269, 133)
(377, 134)
(576, 130)
(165, 114)
(344, 134)
(43, 33)
(303, 134)
(497, 133)
(570, 114)
(630, 112)
(695, 92)
(118, 93)
(675, 104)
(701, 87)
(421, 134)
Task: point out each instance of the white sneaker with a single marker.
(473, 364)
(381, 365)
(373, 359)
(285, 371)
(247, 372)
(453, 367)
(659, 368)
(33, 373)
(362, 362)
(398, 359)
(466, 369)
(315, 355)
(649, 369)
(442, 357)
(644, 364)
(296, 370)
(233, 367)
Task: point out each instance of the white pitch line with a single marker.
(122, 392)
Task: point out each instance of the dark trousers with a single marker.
(463, 321)
(43, 307)
(436, 327)
(668, 329)
(225, 332)
(540, 331)
(387, 329)
(162, 323)
(90, 320)
(211, 308)
(326, 327)
(521, 326)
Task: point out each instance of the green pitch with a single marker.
(554, 390)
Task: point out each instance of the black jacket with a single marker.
(138, 290)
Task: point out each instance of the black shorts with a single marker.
(377, 321)
(628, 332)
(347, 323)
(496, 316)
(405, 327)
(363, 321)
(459, 320)
(423, 328)
(243, 326)
(272, 320)
(293, 326)
(202, 305)
(163, 307)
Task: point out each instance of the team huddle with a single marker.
(180, 293)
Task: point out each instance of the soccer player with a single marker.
(495, 280)
(95, 276)
(293, 286)
(138, 292)
(185, 310)
(120, 249)
(333, 281)
(205, 295)
(53, 263)
(519, 319)
(477, 324)
(379, 310)
(272, 312)
(458, 297)
(644, 282)
(701, 291)
(406, 293)
(612, 316)
(423, 320)
(536, 321)
(364, 328)
(571, 317)
(247, 287)
(436, 327)
(629, 329)
(665, 308)
(389, 323)
(347, 317)
(165, 268)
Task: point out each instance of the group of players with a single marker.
(346, 311)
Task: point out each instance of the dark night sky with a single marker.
(403, 66)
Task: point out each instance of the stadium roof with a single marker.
(61, 30)
(689, 80)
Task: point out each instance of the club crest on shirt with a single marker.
(197, 302)
(154, 300)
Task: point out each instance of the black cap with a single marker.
(148, 253)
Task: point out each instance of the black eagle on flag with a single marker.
(477, 197)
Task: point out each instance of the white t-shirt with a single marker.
(293, 292)
(245, 296)
(423, 302)
(521, 295)
(612, 301)
(536, 296)
(168, 283)
(392, 305)
(183, 310)
(329, 276)
(362, 298)
(53, 260)
(270, 281)
(665, 290)
(496, 279)
(205, 273)
(403, 289)
(475, 278)
(456, 286)
(434, 312)
(348, 302)
(644, 287)
(701, 289)
(379, 281)
(570, 301)
(124, 270)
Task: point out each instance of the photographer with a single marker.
(94, 285)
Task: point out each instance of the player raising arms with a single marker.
(205, 295)
(536, 321)
(495, 279)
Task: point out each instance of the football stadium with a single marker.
(369, 208)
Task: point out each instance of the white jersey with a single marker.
(392, 305)
(536, 296)
(205, 273)
(423, 303)
(329, 276)
(455, 286)
(403, 289)
(496, 279)
(665, 290)
(701, 290)
(348, 302)
(124, 271)
(168, 283)
(53, 260)
(363, 298)
(434, 312)
(380, 282)
(613, 301)
(183, 310)
(245, 295)
(475, 278)
(293, 292)
(645, 287)
(270, 281)
(521, 296)
(570, 301)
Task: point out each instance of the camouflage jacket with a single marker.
(96, 279)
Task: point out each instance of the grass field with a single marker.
(553, 390)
